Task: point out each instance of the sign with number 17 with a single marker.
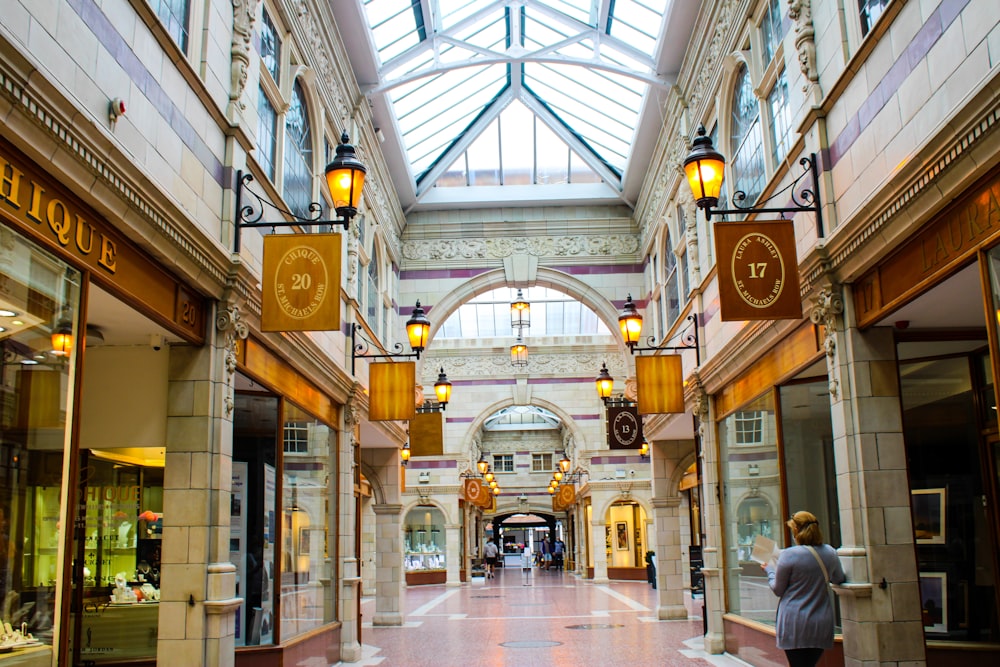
(758, 270)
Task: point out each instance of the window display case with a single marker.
(424, 550)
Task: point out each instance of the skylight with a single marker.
(522, 418)
(452, 71)
(552, 314)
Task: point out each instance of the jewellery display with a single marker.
(11, 638)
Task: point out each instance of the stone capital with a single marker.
(387, 508)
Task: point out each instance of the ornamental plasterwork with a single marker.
(576, 365)
(827, 308)
(321, 56)
(545, 246)
(244, 13)
(800, 11)
(229, 322)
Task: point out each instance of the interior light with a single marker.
(7, 313)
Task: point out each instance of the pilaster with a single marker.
(388, 564)
(669, 559)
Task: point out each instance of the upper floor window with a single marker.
(749, 427)
(270, 47)
(771, 30)
(671, 285)
(267, 131)
(296, 437)
(746, 142)
(298, 171)
(174, 14)
(503, 463)
(780, 118)
(870, 10)
(541, 462)
(373, 293)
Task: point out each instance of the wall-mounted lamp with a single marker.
(496, 491)
(564, 463)
(482, 464)
(442, 388)
(630, 323)
(644, 449)
(418, 329)
(345, 176)
(605, 385)
(404, 453)
(520, 312)
(557, 475)
(705, 170)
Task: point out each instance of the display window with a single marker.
(625, 535)
(424, 540)
(39, 323)
(776, 458)
(282, 512)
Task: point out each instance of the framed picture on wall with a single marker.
(928, 515)
(934, 601)
(621, 536)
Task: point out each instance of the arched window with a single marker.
(373, 293)
(298, 155)
(746, 142)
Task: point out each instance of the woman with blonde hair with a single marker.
(802, 579)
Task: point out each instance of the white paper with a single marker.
(765, 551)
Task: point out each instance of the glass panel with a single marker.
(746, 141)
(396, 25)
(625, 535)
(267, 127)
(869, 11)
(174, 15)
(949, 496)
(307, 481)
(374, 300)
(771, 29)
(552, 313)
(781, 117)
(671, 296)
(298, 155)
(253, 514)
(270, 46)
(37, 293)
(637, 22)
(752, 504)
(807, 448)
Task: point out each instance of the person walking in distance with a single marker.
(558, 549)
(801, 578)
(490, 553)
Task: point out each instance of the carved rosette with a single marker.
(800, 11)
(244, 14)
(228, 321)
(828, 305)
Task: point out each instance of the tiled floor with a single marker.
(548, 619)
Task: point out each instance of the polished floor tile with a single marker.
(544, 619)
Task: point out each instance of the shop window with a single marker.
(424, 540)
(174, 16)
(38, 293)
(625, 535)
(503, 463)
(307, 506)
(948, 447)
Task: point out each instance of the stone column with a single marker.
(598, 548)
(453, 547)
(388, 564)
(882, 622)
(349, 575)
(669, 559)
(198, 599)
(369, 553)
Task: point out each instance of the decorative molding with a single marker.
(828, 305)
(540, 246)
(800, 11)
(317, 48)
(494, 365)
(244, 16)
(229, 322)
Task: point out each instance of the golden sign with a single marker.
(301, 282)
(391, 393)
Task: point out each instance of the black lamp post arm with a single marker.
(689, 340)
(360, 347)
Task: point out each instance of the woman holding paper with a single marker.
(802, 580)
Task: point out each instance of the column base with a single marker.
(715, 643)
(672, 612)
(600, 580)
(387, 619)
(350, 652)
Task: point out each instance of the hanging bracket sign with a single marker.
(758, 271)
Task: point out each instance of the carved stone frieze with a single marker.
(229, 322)
(321, 58)
(690, 210)
(541, 246)
(244, 14)
(575, 365)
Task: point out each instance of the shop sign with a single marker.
(302, 283)
(660, 384)
(391, 391)
(758, 271)
(46, 211)
(624, 427)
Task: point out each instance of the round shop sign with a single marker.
(301, 282)
(625, 428)
(758, 270)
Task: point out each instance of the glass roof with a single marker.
(552, 314)
(522, 418)
(536, 77)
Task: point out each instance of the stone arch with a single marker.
(606, 506)
(567, 419)
(378, 493)
(545, 277)
(674, 482)
(414, 504)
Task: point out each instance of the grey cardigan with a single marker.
(805, 611)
